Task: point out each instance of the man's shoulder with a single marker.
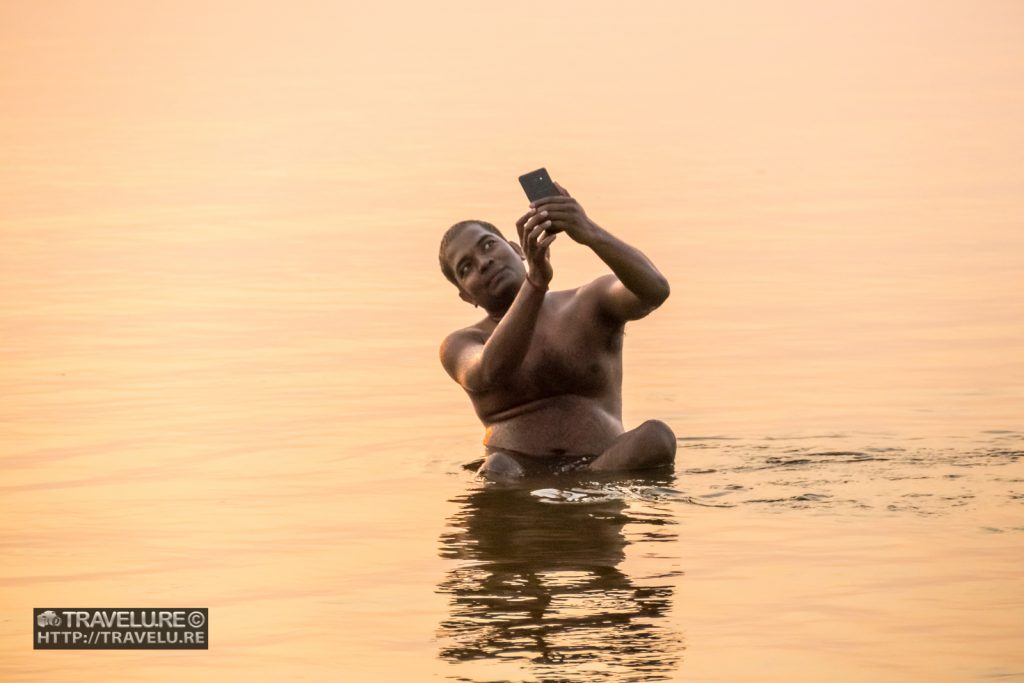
(475, 331)
(601, 283)
(598, 283)
(591, 292)
(586, 290)
(474, 334)
(455, 346)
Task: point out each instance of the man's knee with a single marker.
(499, 466)
(649, 446)
(659, 438)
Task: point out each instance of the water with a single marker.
(220, 315)
(543, 587)
(540, 587)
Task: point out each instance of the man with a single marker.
(544, 369)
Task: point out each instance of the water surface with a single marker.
(220, 315)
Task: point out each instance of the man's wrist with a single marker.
(594, 235)
(539, 288)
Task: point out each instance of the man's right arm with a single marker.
(478, 364)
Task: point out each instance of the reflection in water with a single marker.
(538, 584)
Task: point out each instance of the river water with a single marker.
(220, 315)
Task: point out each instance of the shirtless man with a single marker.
(544, 369)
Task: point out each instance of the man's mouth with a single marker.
(494, 276)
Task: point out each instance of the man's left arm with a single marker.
(637, 288)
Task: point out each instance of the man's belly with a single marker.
(560, 425)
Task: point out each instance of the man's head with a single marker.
(487, 269)
(451, 234)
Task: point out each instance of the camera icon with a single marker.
(48, 618)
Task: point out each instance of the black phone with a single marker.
(538, 185)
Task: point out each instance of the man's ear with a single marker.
(466, 297)
(519, 250)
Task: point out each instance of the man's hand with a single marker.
(566, 214)
(637, 288)
(535, 241)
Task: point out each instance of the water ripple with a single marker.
(840, 473)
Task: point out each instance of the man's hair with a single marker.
(450, 234)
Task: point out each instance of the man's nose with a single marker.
(485, 262)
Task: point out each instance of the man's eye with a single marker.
(487, 244)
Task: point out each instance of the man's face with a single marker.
(488, 270)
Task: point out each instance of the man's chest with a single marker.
(571, 352)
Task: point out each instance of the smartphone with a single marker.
(538, 185)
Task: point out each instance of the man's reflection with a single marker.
(539, 582)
